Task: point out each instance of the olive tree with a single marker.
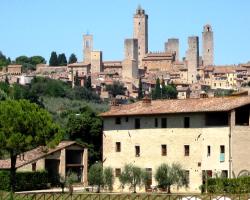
(132, 176)
(167, 175)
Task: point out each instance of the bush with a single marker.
(24, 180)
(232, 186)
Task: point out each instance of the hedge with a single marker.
(25, 180)
(232, 186)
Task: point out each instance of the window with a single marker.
(137, 123)
(186, 122)
(224, 174)
(117, 172)
(137, 151)
(118, 147)
(126, 119)
(163, 150)
(222, 153)
(164, 122)
(208, 150)
(187, 176)
(186, 150)
(117, 120)
(33, 167)
(156, 122)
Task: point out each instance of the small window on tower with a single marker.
(208, 50)
(139, 23)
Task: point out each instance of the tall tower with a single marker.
(192, 57)
(207, 45)
(141, 33)
(130, 62)
(172, 45)
(87, 47)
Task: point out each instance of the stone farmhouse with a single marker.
(207, 136)
(67, 156)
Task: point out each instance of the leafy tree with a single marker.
(117, 88)
(3, 60)
(108, 178)
(62, 60)
(169, 92)
(32, 127)
(71, 178)
(83, 93)
(157, 92)
(34, 60)
(169, 175)
(72, 58)
(53, 61)
(86, 127)
(140, 92)
(22, 60)
(132, 176)
(95, 175)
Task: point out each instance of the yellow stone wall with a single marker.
(150, 140)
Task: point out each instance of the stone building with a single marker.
(141, 33)
(172, 45)
(207, 45)
(67, 156)
(192, 58)
(208, 136)
(130, 62)
(14, 69)
(87, 47)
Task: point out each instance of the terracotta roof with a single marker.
(35, 154)
(179, 106)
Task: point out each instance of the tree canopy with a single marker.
(53, 61)
(23, 126)
(3, 60)
(62, 60)
(169, 175)
(72, 58)
(117, 88)
(162, 91)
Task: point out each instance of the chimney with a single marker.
(146, 101)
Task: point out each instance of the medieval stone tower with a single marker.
(192, 57)
(207, 45)
(87, 47)
(172, 45)
(130, 62)
(141, 33)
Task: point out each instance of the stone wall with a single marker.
(172, 45)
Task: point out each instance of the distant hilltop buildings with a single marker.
(195, 70)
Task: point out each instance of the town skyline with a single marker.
(65, 33)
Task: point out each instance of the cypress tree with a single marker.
(140, 92)
(72, 58)
(53, 61)
(62, 60)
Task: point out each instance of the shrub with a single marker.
(233, 186)
(24, 180)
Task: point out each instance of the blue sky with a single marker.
(37, 27)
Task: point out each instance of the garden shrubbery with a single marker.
(25, 180)
(232, 186)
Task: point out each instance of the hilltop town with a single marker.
(193, 76)
(151, 123)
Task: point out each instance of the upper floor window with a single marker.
(186, 122)
(163, 149)
(137, 123)
(118, 147)
(117, 120)
(156, 122)
(222, 153)
(137, 151)
(208, 150)
(186, 150)
(164, 122)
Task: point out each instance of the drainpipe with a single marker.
(231, 126)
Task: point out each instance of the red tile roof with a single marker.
(179, 106)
